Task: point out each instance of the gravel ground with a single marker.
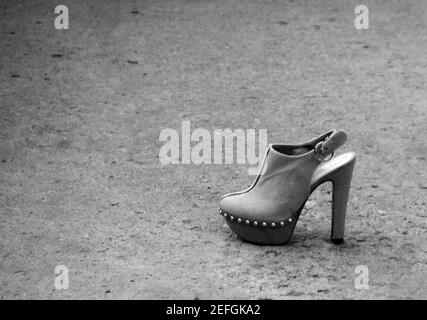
(81, 183)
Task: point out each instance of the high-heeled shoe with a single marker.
(267, 212)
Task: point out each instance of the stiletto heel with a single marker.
(268, 211)
(341, 187)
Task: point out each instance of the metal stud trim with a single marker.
(256, 223)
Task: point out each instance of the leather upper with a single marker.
(284, 182)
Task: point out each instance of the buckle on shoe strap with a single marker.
(319, 153)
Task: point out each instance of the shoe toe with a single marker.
(228, 205)
(236, 206)
(241, 216)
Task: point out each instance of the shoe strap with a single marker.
(324, 150)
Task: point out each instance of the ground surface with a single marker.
(81, 110)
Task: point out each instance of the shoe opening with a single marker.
(293, 150)
(298, 150)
